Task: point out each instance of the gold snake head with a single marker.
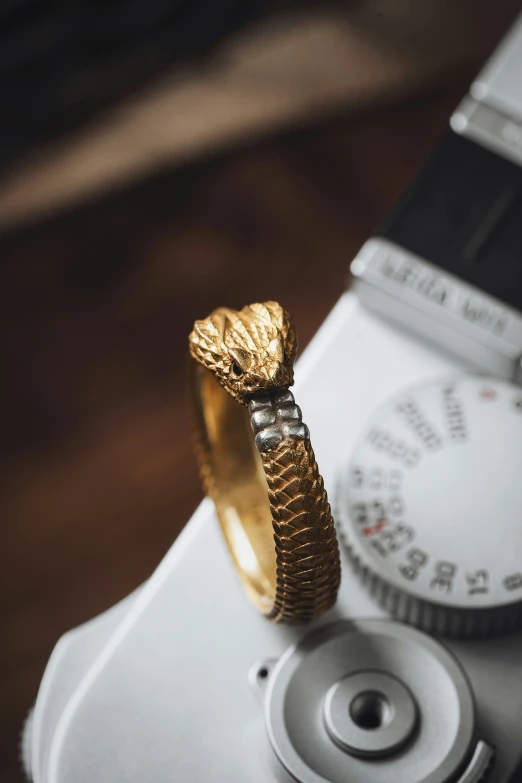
(248, 350)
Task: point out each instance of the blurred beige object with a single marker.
(349, 56)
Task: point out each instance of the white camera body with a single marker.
(185, 681)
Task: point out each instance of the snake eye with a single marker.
(240, 360)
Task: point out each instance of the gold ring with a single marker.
(269, 495)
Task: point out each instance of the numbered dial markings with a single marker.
(432, 499)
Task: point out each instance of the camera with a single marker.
(412, 392)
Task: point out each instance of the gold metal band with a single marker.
(269, 495)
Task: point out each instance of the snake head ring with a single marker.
(267, 489)
(248, 351)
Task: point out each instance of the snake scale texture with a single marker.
(251, 354)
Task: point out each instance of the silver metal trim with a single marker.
(361, 645)
(491, 114)
(274, 417)
(498, 84)
(490, 128)
(479, 765)
(440, 307)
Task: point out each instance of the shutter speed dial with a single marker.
(430, 506)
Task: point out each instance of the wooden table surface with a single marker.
(98, 475)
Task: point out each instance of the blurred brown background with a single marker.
(102, 277)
